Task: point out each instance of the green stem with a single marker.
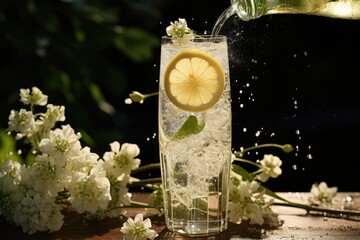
(150, 94)
(147, 167)
(144, 182)
(240, 154)
(309, 208)
(138, 204)
(133, 204)
(248, 161)
(257, 172)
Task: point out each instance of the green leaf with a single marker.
(242, 172)
(272, 194)
(136, 44)
(190, 127)
(7, 145)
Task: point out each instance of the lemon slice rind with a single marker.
(194, 81)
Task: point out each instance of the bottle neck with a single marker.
(248, 9)
(251, 9)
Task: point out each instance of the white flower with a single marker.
(120, 162)
(53, 114)
(61, 144)
(138, 229)
(38, 213)
(36, 97)
(270, 167)
(180, 32)
(82, 162)
(10, 180)
(90, 192)
(322, 193)
(254, 213)
(44, 175)
(22, 121)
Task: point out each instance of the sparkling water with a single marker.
(195, 169)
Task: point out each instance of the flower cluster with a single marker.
(52, 170)
(247, 200)
(247, 203)
(138, 228)
(321, 193)
(180, 32)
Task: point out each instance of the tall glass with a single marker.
(195, 149)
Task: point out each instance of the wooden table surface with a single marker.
(297, 225)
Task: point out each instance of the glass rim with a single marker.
(200, 36)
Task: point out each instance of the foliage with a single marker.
(75, 50)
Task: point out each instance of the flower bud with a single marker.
(136, 96)
(287, 148)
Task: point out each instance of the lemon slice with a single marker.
(194, 81)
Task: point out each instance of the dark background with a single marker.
(294, 78)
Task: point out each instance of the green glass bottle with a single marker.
(251, 9)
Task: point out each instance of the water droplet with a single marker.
(325, 217)
(257, 134)
(294, 167)
(348, 199)
(309, 156)
(244, 130)
(297, 132)
(19, 152)
(241, 105)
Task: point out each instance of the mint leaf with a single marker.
(190, 127)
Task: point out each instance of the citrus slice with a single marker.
(194, 81)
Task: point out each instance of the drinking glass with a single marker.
(195, 147)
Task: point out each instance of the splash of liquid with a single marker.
(222, 19)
